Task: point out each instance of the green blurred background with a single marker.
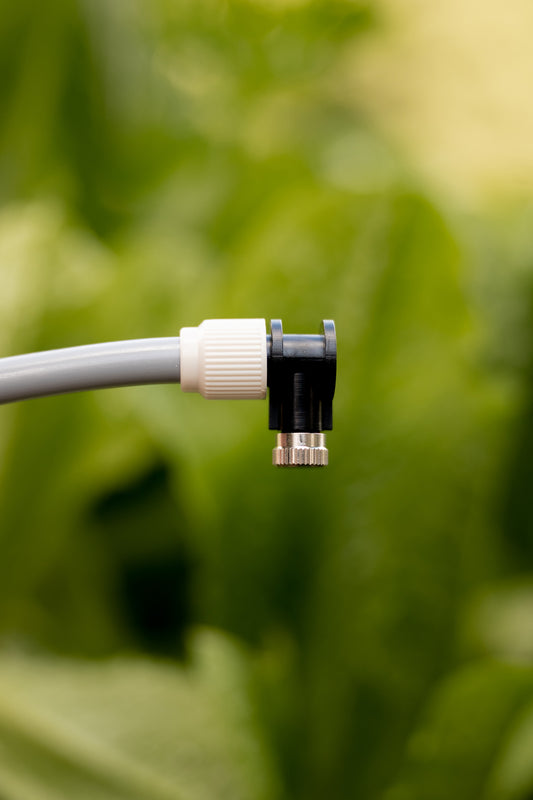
(178, 619)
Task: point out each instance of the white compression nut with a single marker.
(225, 359)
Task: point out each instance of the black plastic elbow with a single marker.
(301, 378)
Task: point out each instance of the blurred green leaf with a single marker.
(512, 774)
(465, 729)
(129, 728)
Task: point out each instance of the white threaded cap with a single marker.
(225, 359)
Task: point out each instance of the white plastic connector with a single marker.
(225, 359)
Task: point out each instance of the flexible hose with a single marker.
(94, 366)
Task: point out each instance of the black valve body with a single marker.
(301, 377)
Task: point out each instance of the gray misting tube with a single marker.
(94, 366)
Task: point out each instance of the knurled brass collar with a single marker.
(300, 450)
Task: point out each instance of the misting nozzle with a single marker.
(234, 358)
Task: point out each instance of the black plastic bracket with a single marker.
(302, 372)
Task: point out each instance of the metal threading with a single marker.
(300, 450)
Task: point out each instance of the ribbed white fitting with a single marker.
(225, 359)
